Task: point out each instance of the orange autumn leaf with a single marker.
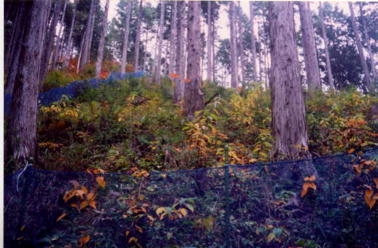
(92, 204)
(311, 178)
(306, 186)
(101, 182)
(61, 216)
(369, 199)
(174, 75)
(376, 182)
(84, 240)
(351, 150)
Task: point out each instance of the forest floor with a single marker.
(135, 125)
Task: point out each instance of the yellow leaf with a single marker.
(183, 212)
(101, 182)
(127, 233)
(270, 237)
(84, 240)
(22, 228)
(133, 239)
(61, 216)
(160, 210)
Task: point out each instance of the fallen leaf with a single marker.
(84, 240)
(61, 216)
(101, 182)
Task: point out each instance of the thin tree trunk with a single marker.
(126, 37)
(360, 48)
(22, 126)
(368, 45)
(325, 38)
(101, 45)
(68, 53)
(209, 40)
(86, 42)
(60, 38)
(241, 44)
(179, 68)
(253, 42)
(309, 47)
(138, 34)
(172, 40)
(288, 109)
(50, 40)
(193, 98)
(159, 45)
(234, 69)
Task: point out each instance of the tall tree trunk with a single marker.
(50, 40)
(86, 43)
(22, 126)
(288, 109)
(101, 45)
(60, 38)
(253, 42)
(240, 32)
(209, 40)
(126, 36)
(193, 98)
(325, 38)
(234, 69)
(68, 52)
(172, 50)
(309, 47)
(159, 45)
(360, 48)
(179, 66)
(138, 34)
(212, 44)
(368, 45)
(14, 47)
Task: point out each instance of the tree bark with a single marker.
(309, 47)
(180, 47)
(193, 98)
(159, 45)
(234, 69)
(100, 51)
(68, 52)
(138, 34)
(209, 40)
(172, 50)
(50, 40)
(253, 42)
(368, 45)
(60, 38)
(325, 38)
(288, 109)
(241, 44)
(367, 78)
(86, 43)
(126, 37)
(22, 126)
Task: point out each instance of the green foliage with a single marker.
(134, 124)
(58, 78)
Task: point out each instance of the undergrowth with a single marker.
(135, 124)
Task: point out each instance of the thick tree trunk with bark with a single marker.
(288, 109)
(253, 42)
(193, 98)
(100, 51)
(138, 34)
(172, 40)
(368, 45)
(86, 43)
(325, 38)
(367, 78)
(126, 36)
(159, 43)
(209, 41)
(309, 47)
(234, 60)
(60, 38)
(22, 123)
